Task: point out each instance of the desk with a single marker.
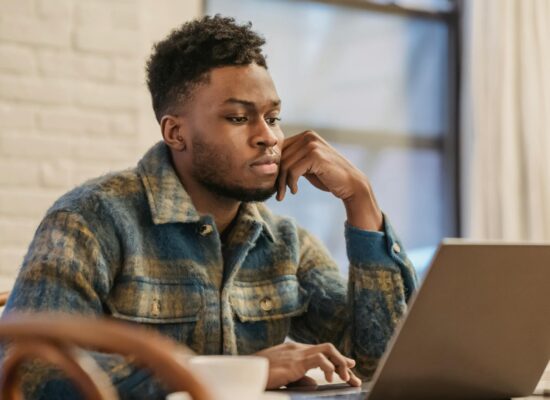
(356, 394)
(348, 393)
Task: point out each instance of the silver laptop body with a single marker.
(478, 328)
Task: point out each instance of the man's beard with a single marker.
(209, 165)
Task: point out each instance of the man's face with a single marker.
(235, 139)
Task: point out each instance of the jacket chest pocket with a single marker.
(264, 310)
(153, 301)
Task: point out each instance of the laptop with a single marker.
(478, 328)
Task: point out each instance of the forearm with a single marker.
(381, 280)
(362, 209)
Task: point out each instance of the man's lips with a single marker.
(266, 160)
(268, 164)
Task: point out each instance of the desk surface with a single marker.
(355, 394)
(348, 393)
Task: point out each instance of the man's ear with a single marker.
(173, 132)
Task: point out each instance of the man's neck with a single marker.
(222, 209)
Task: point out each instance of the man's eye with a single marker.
(272, 120)
(237, 120)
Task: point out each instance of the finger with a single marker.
(301, 147)
(354, 380)
(340, 362)
(295, 171)
(305, 137)
(290, 149)
(304, 381)
(321, 361)
(290, 140)
(281, 184)
(288, 176)
(294, 154)
(287, 160)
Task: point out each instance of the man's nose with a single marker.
(264, 135)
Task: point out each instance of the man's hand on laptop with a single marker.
(289, 362)
(307, 154)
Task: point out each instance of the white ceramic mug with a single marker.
(231, 377)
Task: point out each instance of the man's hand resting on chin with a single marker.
(289, 362)
(307, 154)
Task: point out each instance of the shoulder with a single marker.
(113, 190)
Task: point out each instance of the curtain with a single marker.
(505, 129)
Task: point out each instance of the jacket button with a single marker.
(155, 307)
(396, 247)
(206, 230)
(266, 304)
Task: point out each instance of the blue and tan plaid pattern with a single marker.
(132, 245)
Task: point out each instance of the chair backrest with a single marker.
(59, 339)
(4, 298)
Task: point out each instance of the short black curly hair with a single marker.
(183, 60)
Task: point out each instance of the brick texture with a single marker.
(73, 101)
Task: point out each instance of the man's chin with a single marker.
(243, 194)
(249, 195)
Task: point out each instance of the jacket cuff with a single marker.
(374, 249)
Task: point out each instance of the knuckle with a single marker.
(292, 346)
(316, 153)
(310, 135)
(317, 357)
(330, 347)
(311, 145)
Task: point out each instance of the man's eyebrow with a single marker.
(248, 103)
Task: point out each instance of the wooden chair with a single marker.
(59, 340)
(4, 298)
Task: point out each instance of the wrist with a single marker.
(362, 210)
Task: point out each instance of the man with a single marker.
(183, 244)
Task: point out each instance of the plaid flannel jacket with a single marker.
(131, 245)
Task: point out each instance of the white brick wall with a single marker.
(73, 101)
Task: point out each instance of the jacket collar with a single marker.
(167, 198)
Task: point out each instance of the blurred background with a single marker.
(443, 104)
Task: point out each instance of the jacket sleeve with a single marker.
(68, 270)
(359, 316)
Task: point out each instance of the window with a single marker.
(378, 85)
